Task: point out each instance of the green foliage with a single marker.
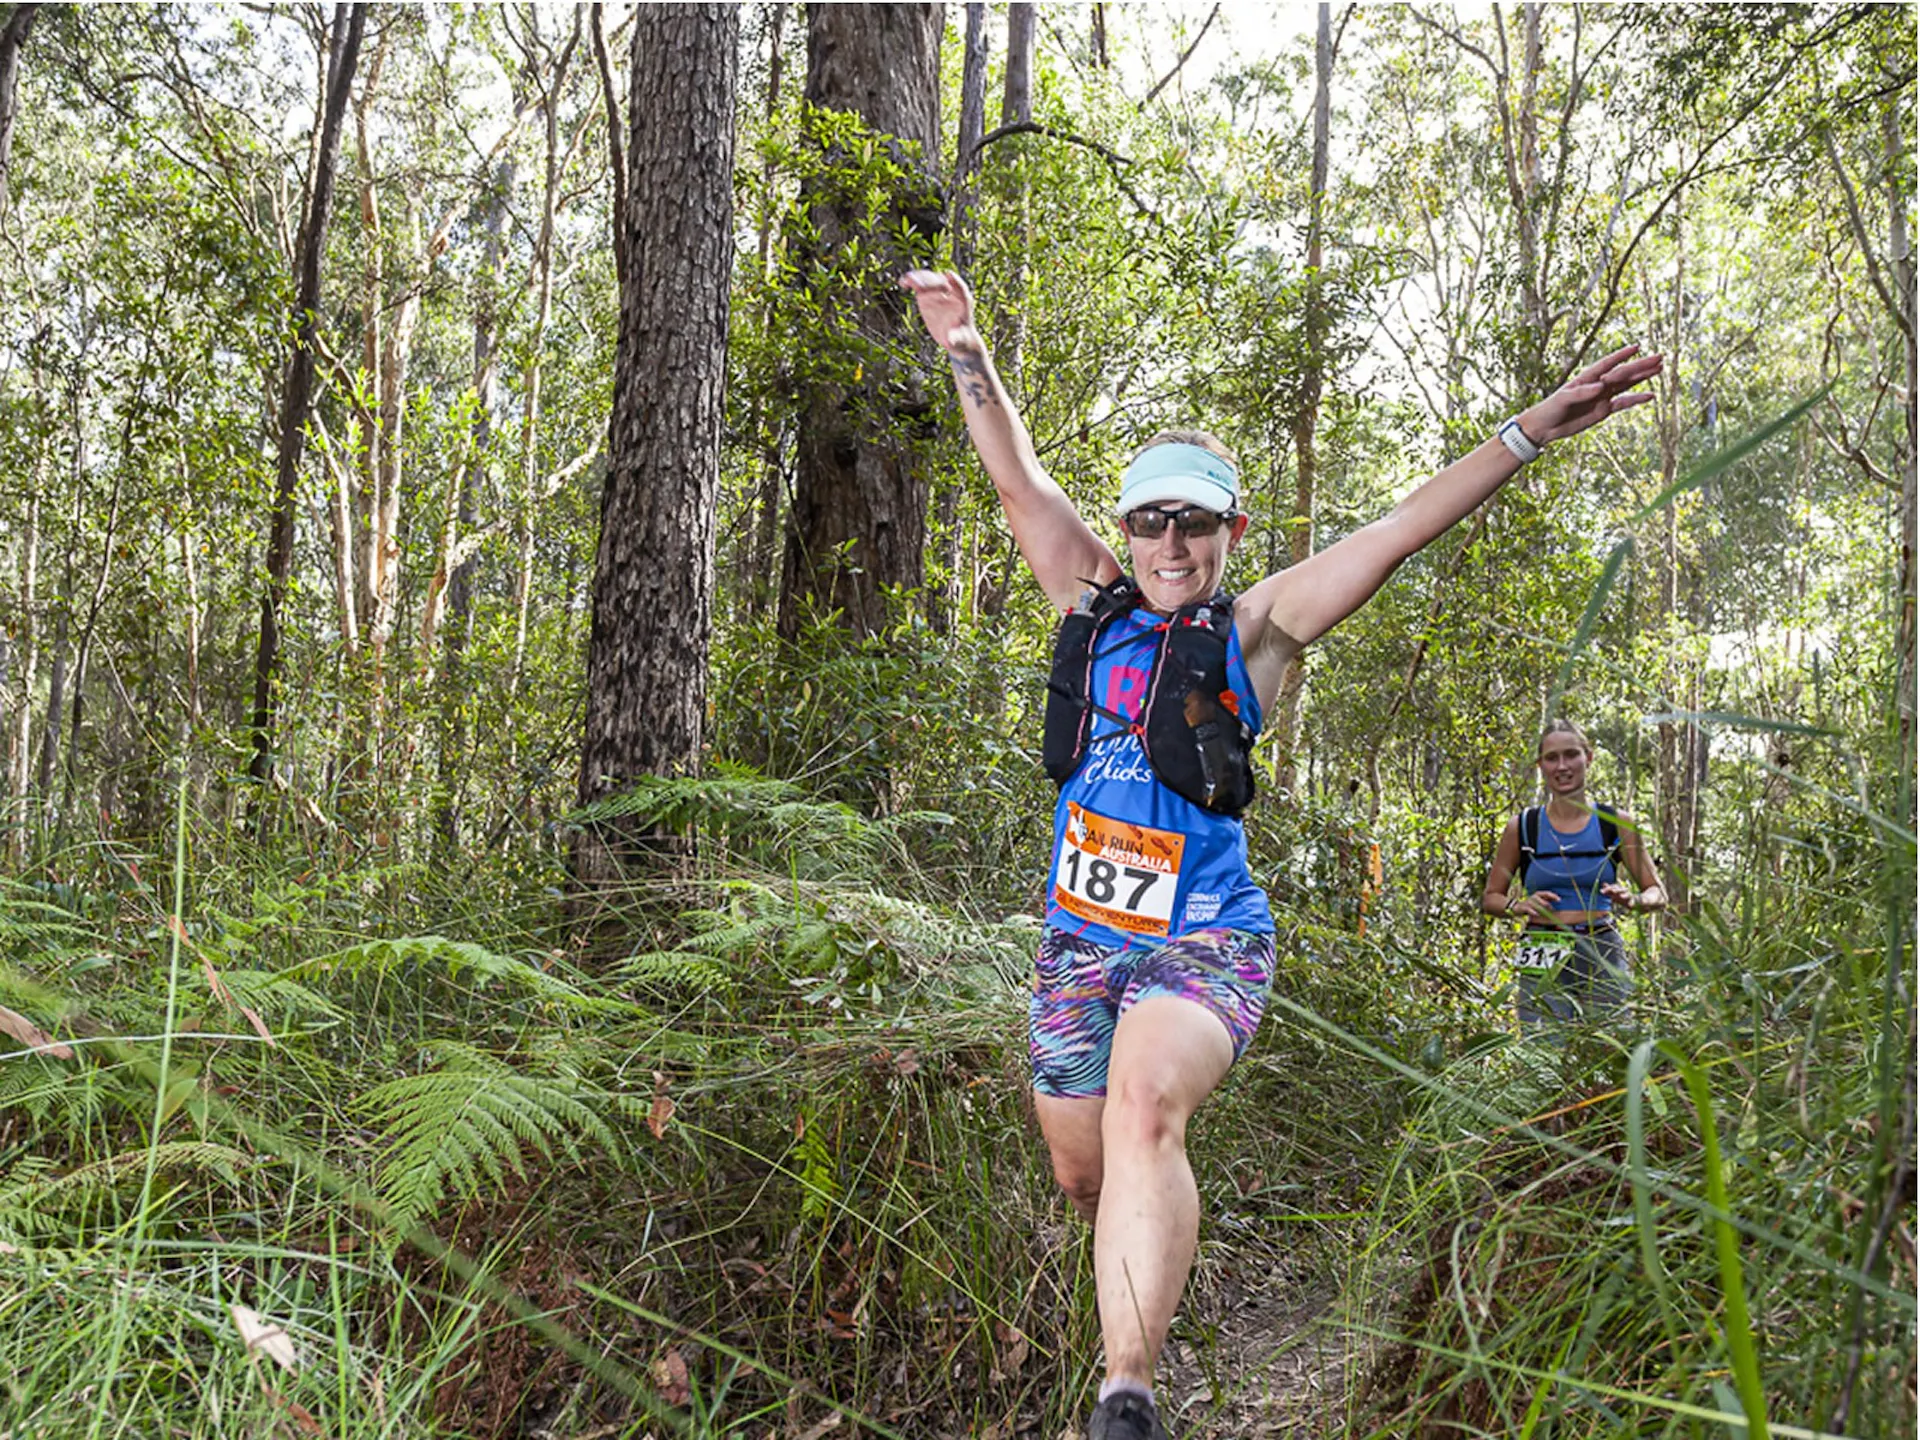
(768, 1117)
(463, 1128)
(40, 1202)
(1596, 1255)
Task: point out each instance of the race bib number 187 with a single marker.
(1116, 874)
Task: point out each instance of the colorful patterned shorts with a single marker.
(1082, 989)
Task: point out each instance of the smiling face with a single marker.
(1189, 473)
(1175, 569)
(1564, 758)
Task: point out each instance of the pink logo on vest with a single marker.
(1127, 690)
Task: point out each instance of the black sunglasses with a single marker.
(1196, 522)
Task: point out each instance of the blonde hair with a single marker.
(1563, 726)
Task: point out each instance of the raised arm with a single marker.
(1058, 545)
(1297, 606)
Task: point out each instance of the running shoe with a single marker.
(1126, 1415)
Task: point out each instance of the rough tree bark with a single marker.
(859, 521)
(349, 23)
(654, 569)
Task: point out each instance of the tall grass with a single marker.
(1698, 1223)
(387, 1152)
(768, 1161)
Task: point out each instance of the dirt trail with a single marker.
(1273, 1365)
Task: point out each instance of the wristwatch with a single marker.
(1519, 442)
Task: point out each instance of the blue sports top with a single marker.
(1572, 864)
(1133, 863)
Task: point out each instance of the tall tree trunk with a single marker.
(542, 315)
(69, 592)
(190, 573)
(13, 35)
(753, 582)
(859, 521)
(349, 22)
(1901, 262)
(653, 571)
(83, 653)
(963, 223)
(1520, 152)
(360, 506)
(1016, 102)
(459, 565)
(616, 147)
(396, 353)
(373, 309)
(1306, 418)
(993, 573)
(1016, 108)
(20, 733)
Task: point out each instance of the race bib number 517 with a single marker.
(1116, 874)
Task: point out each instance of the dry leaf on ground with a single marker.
(269, 1338)
(670, 1378)
(814, 1432)
(31, 1035)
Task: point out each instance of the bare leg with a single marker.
(1168, 1055)
(1072, 1128)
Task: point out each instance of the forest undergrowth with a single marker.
(744, 1150)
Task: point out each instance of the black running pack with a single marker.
(1190, 725)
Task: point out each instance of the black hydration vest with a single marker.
(1530, 839)
(1190, 724)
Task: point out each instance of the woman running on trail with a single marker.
(1159, 947)
(1569, 854)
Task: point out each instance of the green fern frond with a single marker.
(722, 801)
(20, 990)
(721, 935)
(28, 918)
(384, 956)
(172, 1158)
(680, 969)
(773, 821)
(463, 1128)
(276, 996)
(458, 958)
(49, 1092)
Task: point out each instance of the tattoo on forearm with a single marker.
(970, 374)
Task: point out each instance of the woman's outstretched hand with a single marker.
(1591, 396)
(946, 309)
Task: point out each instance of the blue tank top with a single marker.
(1574, 865)
(1133, 863)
